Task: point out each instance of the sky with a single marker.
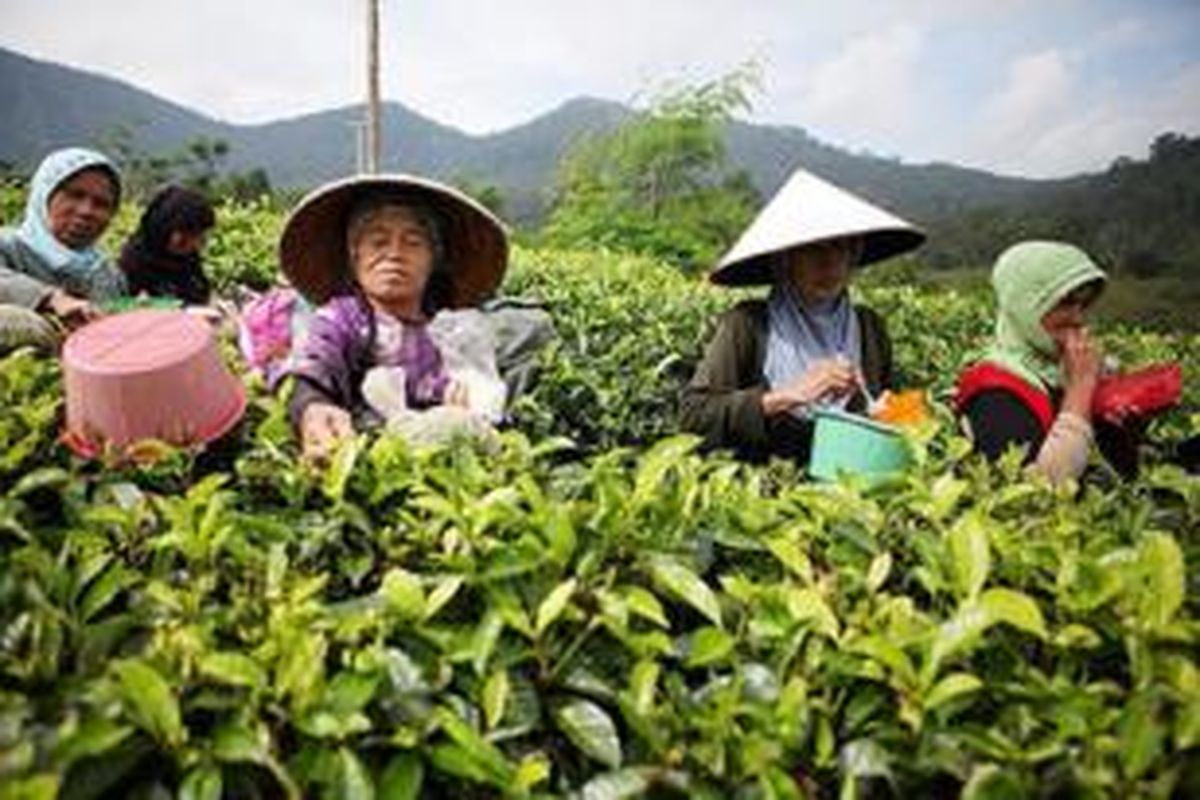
(1039, 88)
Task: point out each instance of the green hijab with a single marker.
(1030, 278)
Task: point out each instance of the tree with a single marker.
(486, 194)
(141, 171)
(198, 163)
(659, 184)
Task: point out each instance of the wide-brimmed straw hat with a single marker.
(805, 211)
(314, 256)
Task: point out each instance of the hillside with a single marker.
(1139, 217)
(51, 105)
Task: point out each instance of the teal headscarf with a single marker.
(1030, 279)
(34, 231)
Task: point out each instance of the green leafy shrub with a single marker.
(590, 608)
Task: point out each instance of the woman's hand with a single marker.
(322, 427)
(1081, 363)
(457, 394)
(831, 377)
(72, 311)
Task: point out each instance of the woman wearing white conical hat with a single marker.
(805, 345)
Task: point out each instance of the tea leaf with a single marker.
(878, 573)
(591, 730)
(495, 697)
(645, 605)
(951, 687)
(202, 783)
(708, 646)
(402, 778)
(680, 581)
(402, 592)
(233, 668)
(442, 594)
(1015, 608)
(620, 784)
(990, 782)
(554, 604)
(356, 783)
(807, 605)
(149, 701)
(1163, 591)
(969, 555)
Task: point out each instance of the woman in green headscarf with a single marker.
(1035, 384)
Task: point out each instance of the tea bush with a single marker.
(590, 608)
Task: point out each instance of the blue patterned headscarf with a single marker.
(34, 232)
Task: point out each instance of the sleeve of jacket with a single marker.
(107, 283)
(304, 394)
(723, 400)
(878, 366)
(19, 289)
(323, 368)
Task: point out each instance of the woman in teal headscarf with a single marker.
(50, 269)
(1035, 384)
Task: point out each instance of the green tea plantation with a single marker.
(590, 608)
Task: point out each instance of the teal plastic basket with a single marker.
(854, 445)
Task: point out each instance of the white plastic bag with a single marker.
(468, 348)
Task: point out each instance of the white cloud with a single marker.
(1125, 33)
(1035, 97)
(868, 91)
(1037, 90)
(1053, 131)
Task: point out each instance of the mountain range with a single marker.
(49, 105)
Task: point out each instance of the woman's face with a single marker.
(1070, 314)
(393, 258)
(81, 207)
(821, 271)
(186, 243)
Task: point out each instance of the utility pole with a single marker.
(359, 127)
(373, 124)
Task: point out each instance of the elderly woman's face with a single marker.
(821, 271)
(393, 257)
(81, 207)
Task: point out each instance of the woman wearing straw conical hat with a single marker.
(773, 361)
(380, 256)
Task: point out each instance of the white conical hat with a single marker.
(808, 210)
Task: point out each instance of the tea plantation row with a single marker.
(589, 607)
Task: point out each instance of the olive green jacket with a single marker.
(723, 401)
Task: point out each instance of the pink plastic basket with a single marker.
(147, 374)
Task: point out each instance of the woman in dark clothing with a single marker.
(773, 361)
(162, 258)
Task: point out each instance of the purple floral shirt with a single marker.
(346, 338)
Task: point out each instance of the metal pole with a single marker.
(359, 129)
(373, 125)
